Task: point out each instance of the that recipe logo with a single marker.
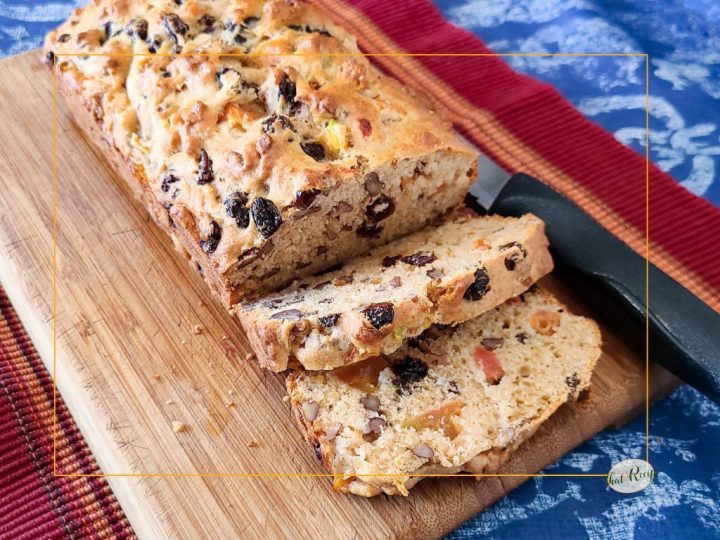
(630, 476)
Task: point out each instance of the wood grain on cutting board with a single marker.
(129, 364)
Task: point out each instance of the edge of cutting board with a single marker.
(32, 301)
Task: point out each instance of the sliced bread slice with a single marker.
(454, 399)
(447, 273)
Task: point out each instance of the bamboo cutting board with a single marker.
(129, 363)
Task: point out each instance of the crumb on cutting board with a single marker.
(197, 329)
(178, 427)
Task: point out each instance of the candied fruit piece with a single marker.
(363, 375)
(340, 482)
(481, 244)
(545, 322)
(365, 127)
(336, 135)
(439, 418)
(490, 364)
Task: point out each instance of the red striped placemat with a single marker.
(34, 503)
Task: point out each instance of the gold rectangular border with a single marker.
(329, 475)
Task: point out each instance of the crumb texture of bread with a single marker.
(257, 134)
(453, 270)
(455, 399)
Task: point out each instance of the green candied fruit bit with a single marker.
(336, 135)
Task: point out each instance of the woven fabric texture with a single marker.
(35, 503)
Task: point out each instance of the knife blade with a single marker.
(684, 332)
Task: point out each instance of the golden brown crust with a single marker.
(269, 153)
(177, 221)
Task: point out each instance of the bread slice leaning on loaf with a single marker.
(256, 134)
(454, 399)
(449, 272)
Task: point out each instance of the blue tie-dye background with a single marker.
(683, 39)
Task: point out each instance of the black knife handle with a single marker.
(684, 331)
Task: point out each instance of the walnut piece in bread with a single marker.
(376, 423)
(450, 271)
(288, 156)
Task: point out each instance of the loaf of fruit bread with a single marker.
(256, 134)
(453, 270)
(455, 399)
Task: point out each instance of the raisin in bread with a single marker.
(266, 166)
(449, 272)
(455, 399)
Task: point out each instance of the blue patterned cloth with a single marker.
(683, 39)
